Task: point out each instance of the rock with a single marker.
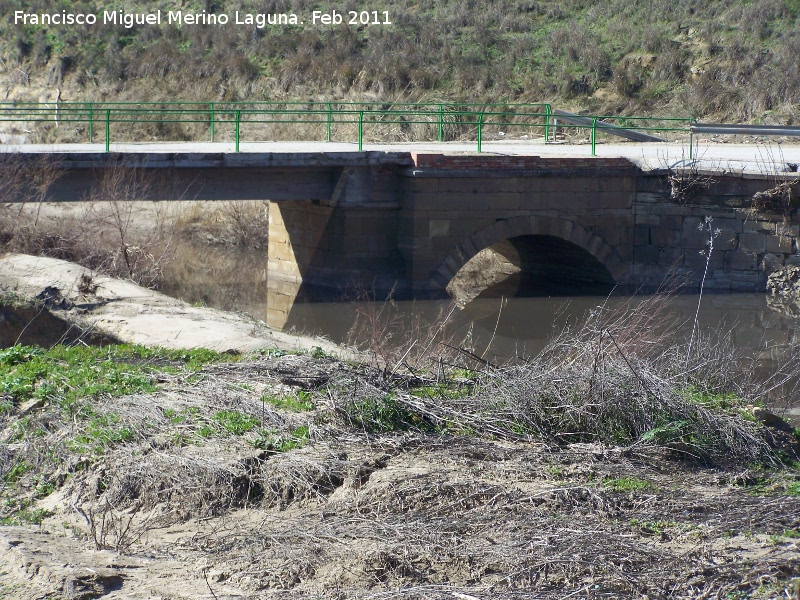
(770, 419)
(783, 289)
(85, 583)
(785, 282)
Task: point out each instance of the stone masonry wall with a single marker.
(670, 235)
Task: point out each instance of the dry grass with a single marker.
(105, 235)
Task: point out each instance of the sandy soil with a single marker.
(394, 515)
(123, 311)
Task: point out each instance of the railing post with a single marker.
(547, 113)
(108, 129)
(480, 131)
(328, 125)
(91, 123)
(441, 123)
(691, 140)
(211, 119)
(360, 131)
(238, 118)
(594, 135)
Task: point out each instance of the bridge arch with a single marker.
(558, 235)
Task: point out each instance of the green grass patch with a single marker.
(300, 401)
(19, 511)
(101, 433)
(714, 401)
(68, 374)
(16, 472)
(276, 441)
(26, 517)
(383, 414)
(235, 422)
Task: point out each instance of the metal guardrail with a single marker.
(720, 128)
(593, 122)
(446, 119)
(727, 129)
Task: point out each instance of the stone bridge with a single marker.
(573, 224)
(412, 220)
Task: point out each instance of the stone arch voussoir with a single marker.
(528, 225)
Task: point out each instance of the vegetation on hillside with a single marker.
(734, 59)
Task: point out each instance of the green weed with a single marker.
(441, 390)
(383, 414)
(300, 401)
(101, 433)
(275, 441)
(66, 375)
(235, 422)
(16, 472)
(651, 527)
(27, 517)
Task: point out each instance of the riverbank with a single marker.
(76, 302)
(599, 468)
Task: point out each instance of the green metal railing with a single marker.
(403, 121)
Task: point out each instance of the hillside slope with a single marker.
(732, 59)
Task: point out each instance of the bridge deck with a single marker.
(760, 159)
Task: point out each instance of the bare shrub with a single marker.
(685, 184)
(621, 379)
(392, 342)
(113, 529)
(244, 224)
(108, 235)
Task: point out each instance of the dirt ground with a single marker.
(174, 514)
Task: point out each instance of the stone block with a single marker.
(672, 221)
(442, 246)
(697, 260)
(748, 337)
(504, 201)
(533, 200)
(439, 227)
(641, 235)
(670, 256)
(564, 200)
(595, 244)
(608, 200)
(650, 197)
(647, 219)
(741, 261)
(694, 239)
(726, 241)
(779, 244)
(646, 255)
(660, 236)
(565, 229)
(760, 226)
(727, 225)
(752, 242)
